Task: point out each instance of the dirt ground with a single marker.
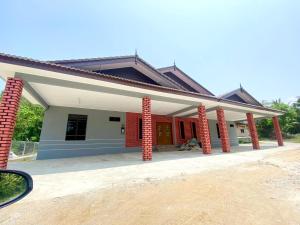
(265, 192)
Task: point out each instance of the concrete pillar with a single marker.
(225, 141)
(253, 131)
(277, 131)
(204, 130)
(8, 114)
(147, 129)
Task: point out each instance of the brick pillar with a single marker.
(147, 129)
(204, 130)
(277, 131)
(8, 114)
(225, 141)
(253, 131)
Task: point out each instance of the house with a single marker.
(242, 130)
(121, 104)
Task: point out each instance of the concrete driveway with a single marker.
(61, 177)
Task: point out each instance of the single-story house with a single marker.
(121, 104)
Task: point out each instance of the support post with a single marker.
(204, 130)
(277, 131)
(8, 114)
(147, 129)
(253, 131)
(225, 141)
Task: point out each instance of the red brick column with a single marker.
(253, 131)
(277, 131)
(147, 129)
(8, 114)
(204, 130)
(225, 141)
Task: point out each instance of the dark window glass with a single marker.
(114, 119)
(218, 130)
(242, 131)
(76, 127)
(181, 127)
(140, 129)
(194, 131)
(231, 125)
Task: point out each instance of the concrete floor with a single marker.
(61, 177)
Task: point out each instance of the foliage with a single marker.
(29, 121)
(289, 122)
(11, 185)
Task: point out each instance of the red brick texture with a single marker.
(277, 131)
(8, 113)
(204, 130)
(253, 131)
(147, 129)
(187, 129)
(225, 141)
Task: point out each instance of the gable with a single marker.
(179, 81)
(236, 98)
(241, 95)
(185, 81)
(129, 67)
(128, 73)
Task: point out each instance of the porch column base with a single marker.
(147, 129)
(277, 131)
(204, 130)
(8, 114)
(223, 130)
(253, 131)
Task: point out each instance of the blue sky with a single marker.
(219, 43)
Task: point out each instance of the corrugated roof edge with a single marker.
(23, 61)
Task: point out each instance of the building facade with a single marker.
(122, 104)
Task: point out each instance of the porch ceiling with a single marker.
(71, 97)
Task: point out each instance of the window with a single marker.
(76, 127)
(114, 119)
(140, 128)
(231, 125)
(218, 130)
(194, 130)
(242, 131)
(181, 128)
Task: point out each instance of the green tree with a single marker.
(29, 122)
(289, 122)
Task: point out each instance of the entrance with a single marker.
(164, 133)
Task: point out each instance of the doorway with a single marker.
(164, 133)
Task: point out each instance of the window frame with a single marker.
(194, 130)
(77, 118)
(181, 129)
(218, 130)
(140, 129)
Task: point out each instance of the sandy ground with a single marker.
(264, 189)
